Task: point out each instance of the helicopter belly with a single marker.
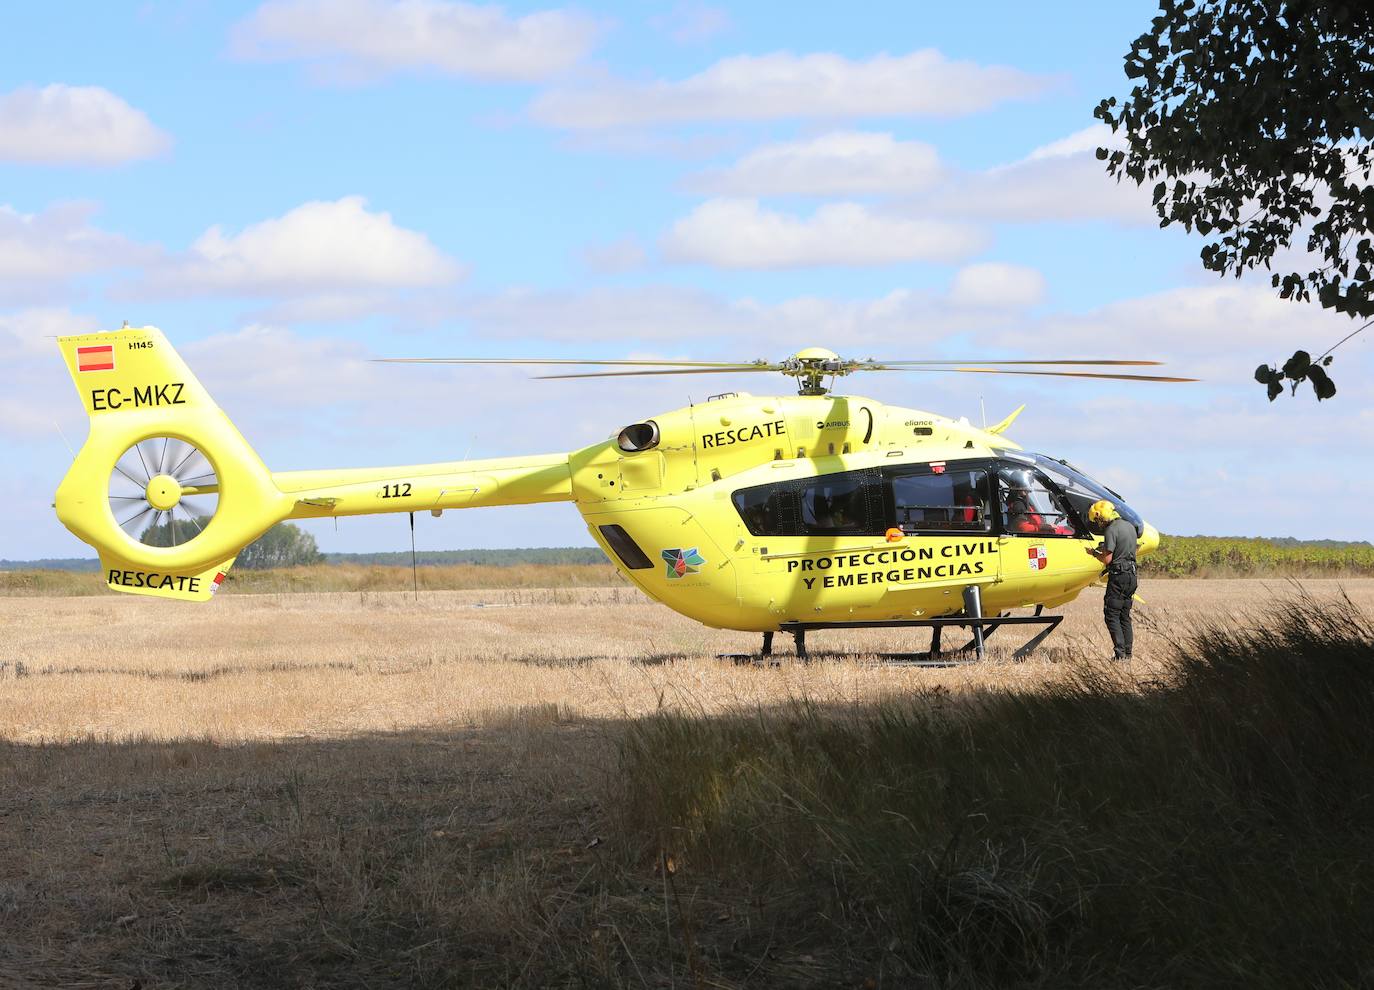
(678, 563)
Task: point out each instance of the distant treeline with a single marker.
(51, 564)
(1239, 556)
(425, 558)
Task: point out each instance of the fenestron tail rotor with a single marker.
(163, 492)
(813, 365)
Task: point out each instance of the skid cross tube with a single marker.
(985, 625)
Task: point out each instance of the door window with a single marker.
(1028, 506)
(952, 500)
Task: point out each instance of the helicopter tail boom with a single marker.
(459, 485)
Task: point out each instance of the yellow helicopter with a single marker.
(759, 513)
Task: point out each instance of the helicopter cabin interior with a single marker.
(1014, 495)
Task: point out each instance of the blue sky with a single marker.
(293, 187)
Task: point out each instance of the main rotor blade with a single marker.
(727, 369)
(1062, 374)
(597, 361)
(1094, 361)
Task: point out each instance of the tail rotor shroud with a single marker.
(163, 492)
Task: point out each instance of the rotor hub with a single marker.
(811, 365)
(163, 492)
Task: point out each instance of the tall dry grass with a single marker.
(1208, 829)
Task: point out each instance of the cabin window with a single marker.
(950, 499)
(1028, 505)
(768, 510)
(837, 505)
(846, 504)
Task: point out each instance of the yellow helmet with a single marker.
(1102, 512)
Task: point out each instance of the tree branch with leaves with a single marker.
(1252, 118)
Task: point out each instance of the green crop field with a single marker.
(1231, 556)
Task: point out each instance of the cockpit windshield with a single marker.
(1030, 508)
(1083, 491)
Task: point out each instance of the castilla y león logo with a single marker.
(682, 562)
(1038, 557)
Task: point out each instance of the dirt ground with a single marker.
(366, 790)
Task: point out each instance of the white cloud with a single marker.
(844, 162)
(1061, 180)
(1219, 331)
(1088, 140)
(738, 233)
(742, 328)
(38, 401)
(688, 22)
(367, 38)
(652, 313)
(74, 125)
(337, 248)
(623, 255)
(273, 365)
(42, 252)
(782, 85)
(32, 331)
(995, 285)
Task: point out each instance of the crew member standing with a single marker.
(1117, 553)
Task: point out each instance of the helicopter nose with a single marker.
(1149, 541)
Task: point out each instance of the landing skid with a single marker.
(982, 626)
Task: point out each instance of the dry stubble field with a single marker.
(362, 789)
(292, 666)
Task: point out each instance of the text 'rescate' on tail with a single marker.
(165, 488)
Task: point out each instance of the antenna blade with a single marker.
(726, 369)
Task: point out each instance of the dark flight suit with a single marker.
(1120, 539)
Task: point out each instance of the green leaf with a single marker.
(1321, 383)
(1296, 367)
